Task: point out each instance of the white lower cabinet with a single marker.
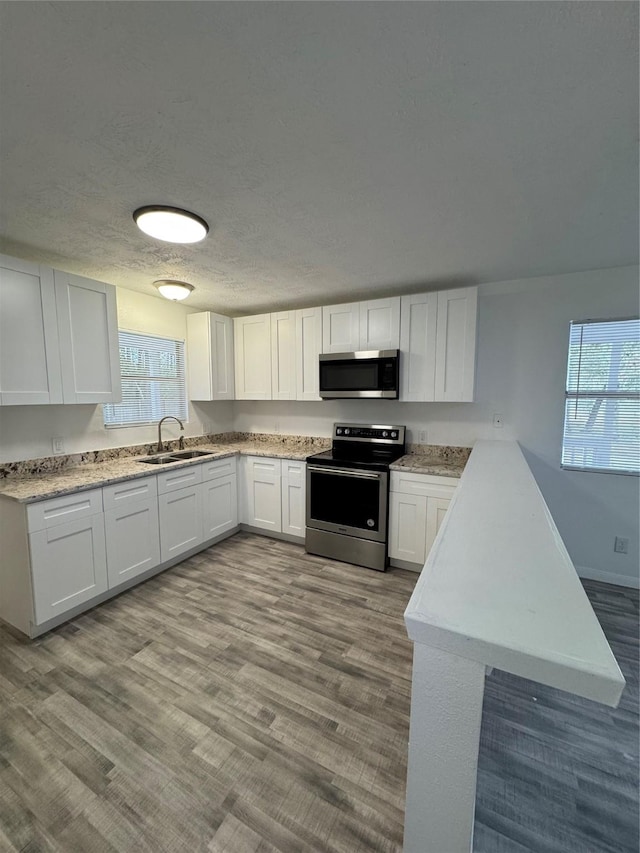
(133, 540)
(261, 498)
(219, 496)
(293, 497)
(68, 565)
(407, 527)
(417, 506)
(180, 514)
(220, 505)
(272, 494)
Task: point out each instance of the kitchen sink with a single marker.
(179, 456)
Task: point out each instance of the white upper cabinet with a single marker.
(88, 334)
(283, 355)
(252, 347)
(438, 346)
(380, 324)
(372, 325)
(308, 348)
(210, 356)
(456, 345)
(418, 347)
(58, 337)
(341, 327)
(29, 352)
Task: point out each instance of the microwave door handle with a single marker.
(344, 472)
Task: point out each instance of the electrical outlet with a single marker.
(621, 545)
(497, 420)
(58, 446)
(276, 428)
(422, 436)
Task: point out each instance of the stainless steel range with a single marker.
(348, 494)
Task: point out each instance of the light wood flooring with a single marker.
(256, 698)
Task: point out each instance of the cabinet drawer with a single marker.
(423, 484)
(45, 514)
(169, 481)
(121, 494)
(218, 468)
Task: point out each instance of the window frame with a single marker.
(183, 377)
(594, 394)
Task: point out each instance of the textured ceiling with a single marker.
(336, 149)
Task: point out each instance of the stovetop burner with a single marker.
(370, 446)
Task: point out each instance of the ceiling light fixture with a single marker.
(170, 224)
(175, 290)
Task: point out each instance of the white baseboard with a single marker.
(588, 573)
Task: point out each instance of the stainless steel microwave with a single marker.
(374, 373)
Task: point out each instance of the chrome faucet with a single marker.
(160, 422)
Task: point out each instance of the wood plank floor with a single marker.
(256, 699)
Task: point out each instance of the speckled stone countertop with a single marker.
(50, 477)
(437, 460)
(32, 481)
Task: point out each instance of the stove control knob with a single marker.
(394, 434)
(339, 431)
(347, 431)
(385, 434)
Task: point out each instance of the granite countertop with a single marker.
(51, 477)
(42, 485)
(422, 463)
(439, 460)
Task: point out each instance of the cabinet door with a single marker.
(252, 347)
(283, 355)
(261, 501)
(418, 347)
(293, 497)
(180, 521)
(308, 348)
(220, 505)
(133, 540)
(407, 527)
(68, 566)
(436, 511)
(88, 330)
(29, 353)
(341, 328)
(380, 324)
(456, 345)
(210, 356)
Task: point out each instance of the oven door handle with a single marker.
(345, 472)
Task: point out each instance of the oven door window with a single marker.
(347, 502)
(352, 375)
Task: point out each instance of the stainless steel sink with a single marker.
(179, 456)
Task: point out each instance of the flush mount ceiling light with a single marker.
(175, 290)
(170, 224)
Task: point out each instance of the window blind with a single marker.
(153, 381)
(602, 399)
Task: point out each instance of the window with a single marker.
(153, 381)
(602, 405)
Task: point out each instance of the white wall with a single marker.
(26, 432)
(523, 329)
